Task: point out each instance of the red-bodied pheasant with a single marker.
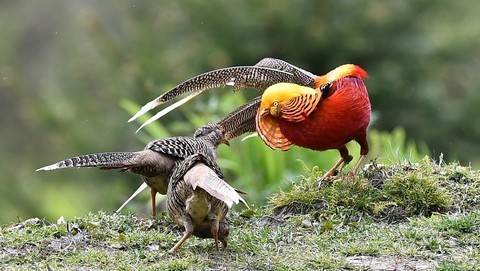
(329, 115)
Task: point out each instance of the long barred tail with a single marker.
(239, 77)
(106, 160)
(241, 120)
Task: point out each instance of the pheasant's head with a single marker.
(284, 102)
(212, 133)
(289, 101)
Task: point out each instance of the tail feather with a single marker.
(265, 73)
(302, 77)
(241, 120)
(162, 113)
(245, 128)
(106, 160)
(239, 77)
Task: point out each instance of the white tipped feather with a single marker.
(168, 109)
(147, 107)
(50, 167)
(250, 136)
(204, 177)
(140, 189)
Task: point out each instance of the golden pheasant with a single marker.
(329, 115)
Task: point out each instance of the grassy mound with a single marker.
(421, 216)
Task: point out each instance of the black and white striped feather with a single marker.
(267, 72)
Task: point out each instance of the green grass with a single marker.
(421, 216)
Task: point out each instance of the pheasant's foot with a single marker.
(328, 177)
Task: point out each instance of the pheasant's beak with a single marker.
(274, 111)
(226, 142)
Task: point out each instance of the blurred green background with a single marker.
(73, 72)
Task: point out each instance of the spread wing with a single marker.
(201, 172)
(204, 177)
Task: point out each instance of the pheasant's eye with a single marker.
(275, 104)
(325, 87)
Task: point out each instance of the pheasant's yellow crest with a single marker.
(282, 93)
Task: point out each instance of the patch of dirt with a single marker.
(385, 262)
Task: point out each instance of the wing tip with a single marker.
(237, 200)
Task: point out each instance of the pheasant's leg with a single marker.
(224, 244)
(223, 234)
(346, 161)
(344, 157)
(214, 230)
(333, 169)
(153, 194)
(363, 153)
(357, 165)
(188, 232)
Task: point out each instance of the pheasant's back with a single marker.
(182, 147)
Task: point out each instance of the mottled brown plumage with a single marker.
(156, 162)
(198, 199)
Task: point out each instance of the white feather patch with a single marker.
(204, 177)
(231, 82)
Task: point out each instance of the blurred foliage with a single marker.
(68, 70)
